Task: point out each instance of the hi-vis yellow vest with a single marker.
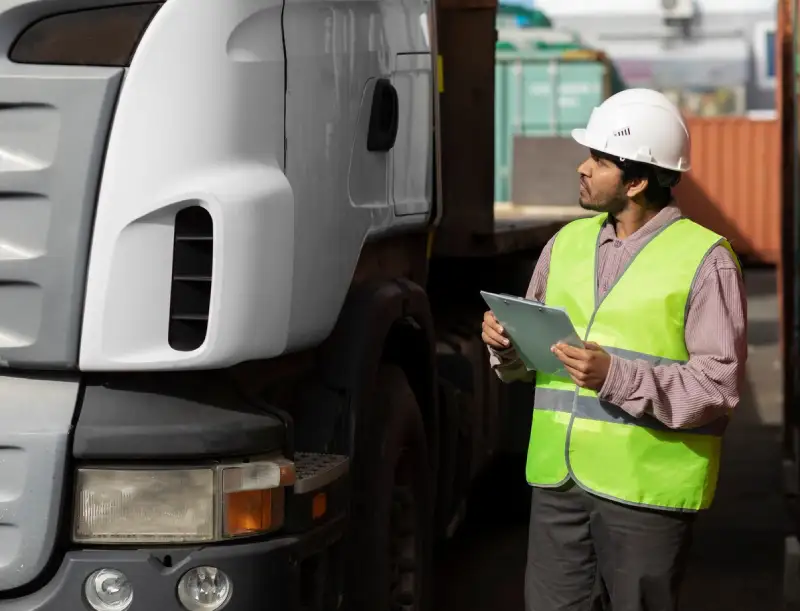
(597, 444)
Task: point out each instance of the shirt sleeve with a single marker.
(684, 396)
(506, 363)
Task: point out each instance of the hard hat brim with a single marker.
(579, 135)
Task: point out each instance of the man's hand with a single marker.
(588, 367)
(493, 333)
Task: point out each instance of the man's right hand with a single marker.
(493, 334)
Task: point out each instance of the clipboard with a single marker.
(532, 328)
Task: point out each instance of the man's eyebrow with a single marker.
(606, 159)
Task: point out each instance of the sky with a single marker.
(558, 7)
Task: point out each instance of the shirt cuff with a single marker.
(616, 388)
(505, 354)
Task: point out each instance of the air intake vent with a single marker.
(191, 278)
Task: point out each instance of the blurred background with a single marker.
(731, 66)
(716, 59)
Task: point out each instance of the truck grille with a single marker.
(191, 278)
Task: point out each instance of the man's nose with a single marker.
(583, 168)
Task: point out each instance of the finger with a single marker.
(573, 352)
(494, 339)
(488, 340)
(579, 367)
(568, 360)
(577, 376)
(593, 346)
(492, 322)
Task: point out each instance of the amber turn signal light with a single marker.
(250, 512)
(253, 496)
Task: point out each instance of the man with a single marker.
(624, 453)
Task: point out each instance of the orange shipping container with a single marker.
(734, 185)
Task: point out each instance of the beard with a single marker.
(612, 204)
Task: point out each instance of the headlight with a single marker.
(180, 505)
(145, 505)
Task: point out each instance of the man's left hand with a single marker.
(588, 366)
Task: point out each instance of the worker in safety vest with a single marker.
(625, 452)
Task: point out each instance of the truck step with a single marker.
(313, 471)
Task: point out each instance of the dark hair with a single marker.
(659, 180)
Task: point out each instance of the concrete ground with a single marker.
(737, 561)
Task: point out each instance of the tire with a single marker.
(389, 564)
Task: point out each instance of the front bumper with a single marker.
(283, 574)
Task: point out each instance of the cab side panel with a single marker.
(336, 52)
(199, 125)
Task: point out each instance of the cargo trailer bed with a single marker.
(529, 227)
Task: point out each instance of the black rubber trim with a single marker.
(171, 417)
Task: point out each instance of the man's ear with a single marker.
(636, 186)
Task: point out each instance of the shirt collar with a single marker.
(665, 216)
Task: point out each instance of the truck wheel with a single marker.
(391, 513)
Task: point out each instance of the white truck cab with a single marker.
(223, 381)
(184, 185)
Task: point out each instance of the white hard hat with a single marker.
(640, 125)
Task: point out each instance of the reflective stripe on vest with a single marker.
(575, 434)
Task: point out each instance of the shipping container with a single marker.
(544, 89)
(517, 16)
(733, 187)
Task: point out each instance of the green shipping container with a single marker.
(544, 93)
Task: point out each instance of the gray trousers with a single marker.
(590, 554)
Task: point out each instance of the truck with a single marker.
(241, 248)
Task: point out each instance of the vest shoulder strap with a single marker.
(687, 232)
(580, 234)
(591, 224)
